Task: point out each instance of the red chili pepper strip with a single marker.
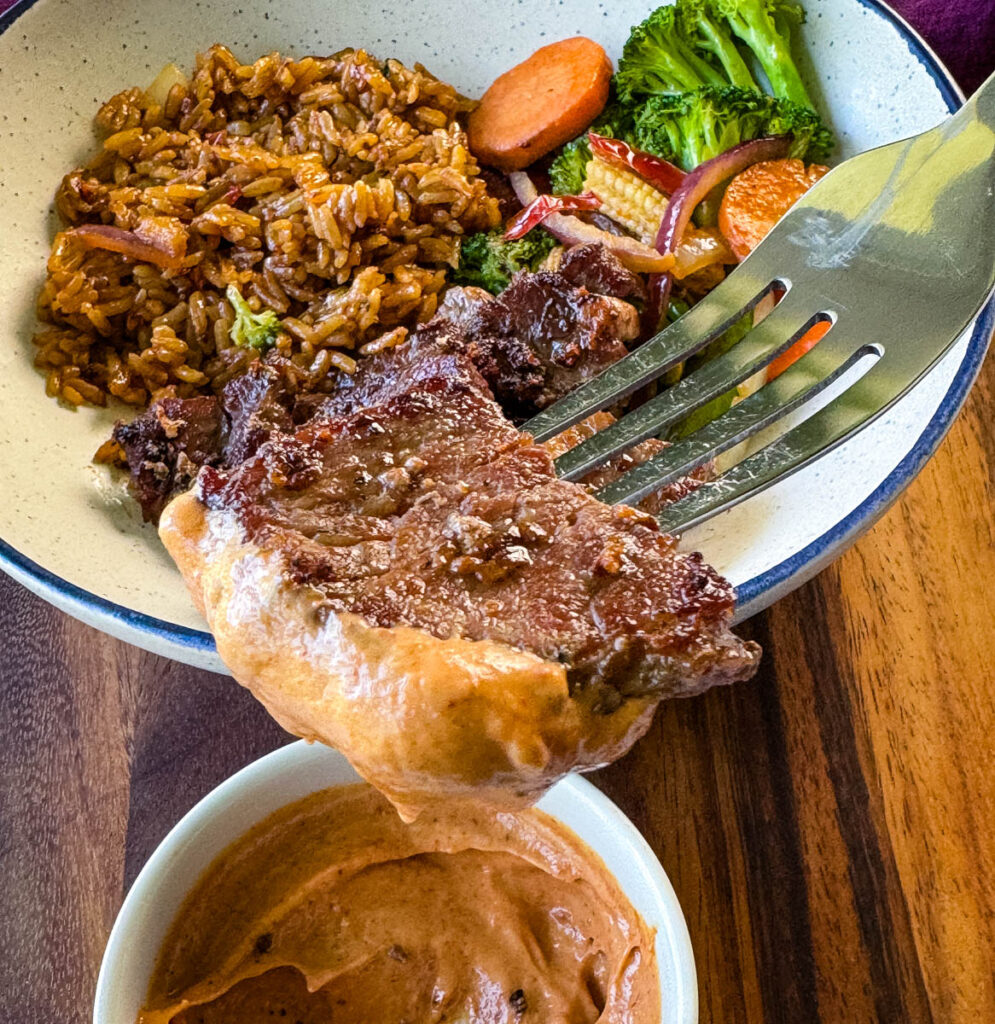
(542, 206)
(659, 173)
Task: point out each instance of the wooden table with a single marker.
(829, 827)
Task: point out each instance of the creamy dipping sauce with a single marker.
(333, 909)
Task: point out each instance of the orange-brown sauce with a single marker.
(333, 909)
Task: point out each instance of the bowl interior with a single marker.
(295, 771)
(56, 68)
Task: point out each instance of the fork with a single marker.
(895, 248)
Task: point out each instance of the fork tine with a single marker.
(830, 359)
(703, 323)
(778, 332)
(856, 407)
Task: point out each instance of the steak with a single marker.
(167, 445)
(423, 506)
(541, 337)
(593, 267)
(404, 577)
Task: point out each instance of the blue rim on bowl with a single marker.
(298, 769)
(754, 594)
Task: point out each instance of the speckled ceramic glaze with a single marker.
(70, 535)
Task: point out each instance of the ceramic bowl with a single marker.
(299, 769)
(75, 540)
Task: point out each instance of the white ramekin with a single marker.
(295, 771)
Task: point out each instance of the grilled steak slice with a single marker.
(406, 578)
(593, 267)
(541, 337)
(166, 445)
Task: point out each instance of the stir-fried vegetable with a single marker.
(541, 207)
(638, 207)
(627, 198)
(659, 58)
(697, 126)
(488, 261)
(759, 197)
(695, 187)
(683, 91)
(541, 103)
(691, 44)
(573, 231)
(252, 330)
(765, 26)
(661, 174)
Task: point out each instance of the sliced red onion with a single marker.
(688, 195)
(706, 176)
(572, 231)
(654, 313)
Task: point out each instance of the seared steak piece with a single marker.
(541, 337)
(166, 445)
(405, 577)
(593, 267)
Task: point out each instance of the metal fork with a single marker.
(895, 248)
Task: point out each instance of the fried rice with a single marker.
(331, 190)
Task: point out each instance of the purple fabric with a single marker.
(962, 32)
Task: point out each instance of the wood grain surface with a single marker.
(829, 827)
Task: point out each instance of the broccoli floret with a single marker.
(252, 330)
(489, 262)
(568, 170)
(696, 126)
(765, 27)
(707, 31)
(658, 58)
(812, 139)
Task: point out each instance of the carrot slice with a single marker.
(755, 201)
(548, 99)
(759, 197)
(804, 344)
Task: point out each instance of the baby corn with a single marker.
(626, 198)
